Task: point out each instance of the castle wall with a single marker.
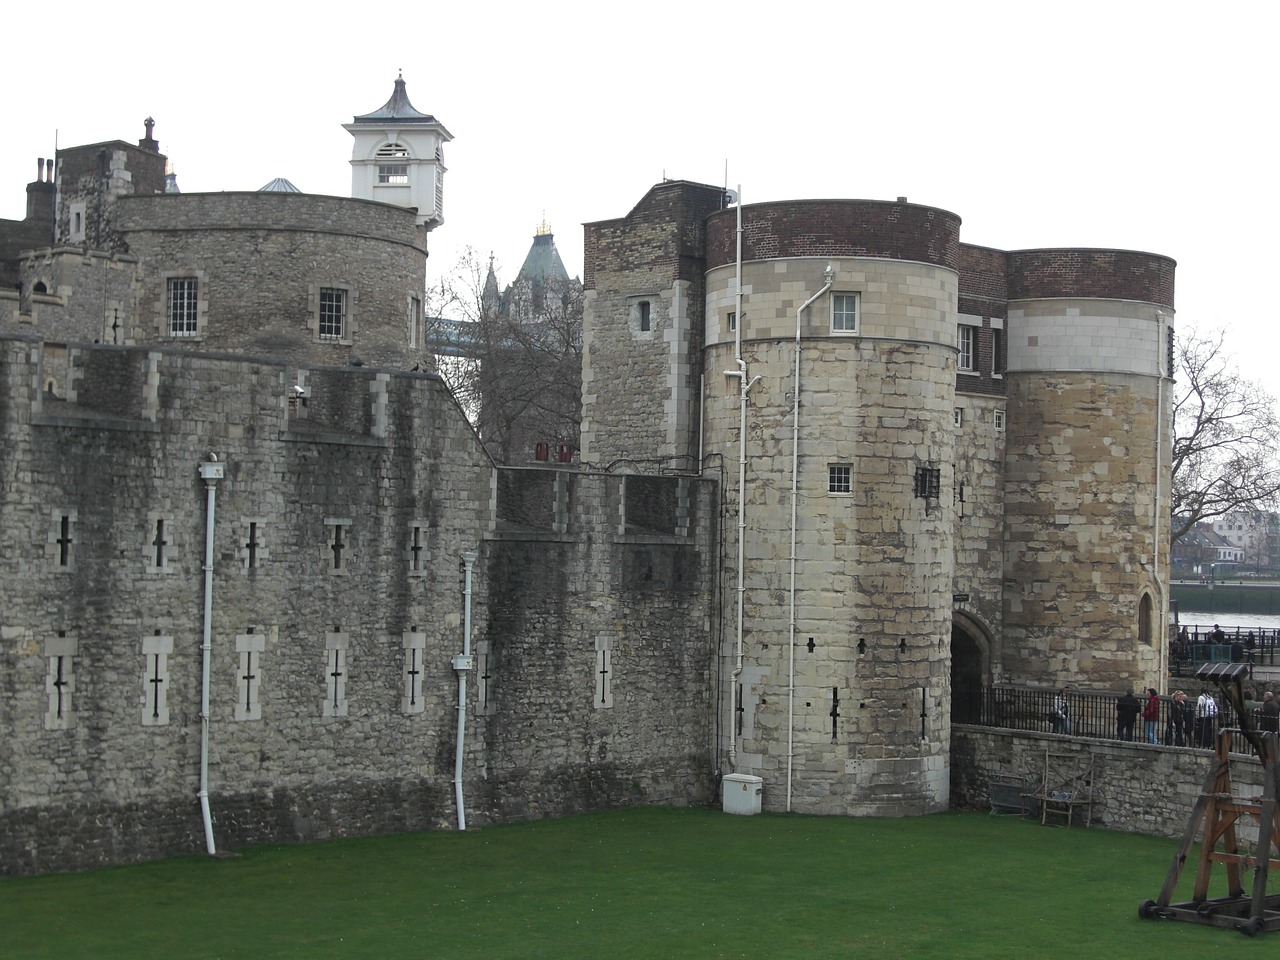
(261, 259)
(1088, 461)
(90, 178)
(90, 295)
(599, 634)
(337, 611)
(978, 495)
(642, 313)
(874, 566)
(1137, 787)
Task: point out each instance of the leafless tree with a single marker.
(521, 381)
(1225, 437)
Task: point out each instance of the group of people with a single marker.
(1186, 723)
(1243, 648)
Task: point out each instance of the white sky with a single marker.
(1135, 125)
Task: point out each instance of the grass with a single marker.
(628, 884)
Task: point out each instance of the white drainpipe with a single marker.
(795, 473)
(461, 664)
(211, 471)
(744, 386)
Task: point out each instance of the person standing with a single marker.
(1179, 720)
(1060, 717)
(1127, 708)
(1269, 715)
(1151, 715)
(1206, 718)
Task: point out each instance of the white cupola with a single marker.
(398, 157)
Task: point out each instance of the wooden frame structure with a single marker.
(1066, 785)
(1214, 818)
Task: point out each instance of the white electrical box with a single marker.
(742, 793)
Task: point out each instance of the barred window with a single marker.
(183, 306)
(393, 150)
(393, 173)
(333, 313)
(928, 482)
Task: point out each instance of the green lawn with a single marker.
(634, 883)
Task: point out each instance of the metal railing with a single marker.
(1197, 645)
(1093, 714)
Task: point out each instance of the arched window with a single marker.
(39, 287)
(1144, 619)
(393, 150)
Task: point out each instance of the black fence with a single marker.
(1093, 714)
(1196, 645)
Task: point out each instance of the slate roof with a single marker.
(397, 108)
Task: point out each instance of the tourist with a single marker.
(1127, 708)
(1151, 714)
(1216, 635)
(1179, 731)
(1206, 718)
(1269, 715)
(1060, 718)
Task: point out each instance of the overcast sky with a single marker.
(1147, 126)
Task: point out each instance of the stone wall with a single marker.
(1138, 787)
(261, 259)
(337, 612)
(90, 178)
(1081, 466)
(642, 327)
(869, 707)
(90, 295)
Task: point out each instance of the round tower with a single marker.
(838, 573)
(1090, 365)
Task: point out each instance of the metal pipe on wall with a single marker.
(829, 274)
(211, 471)
(461, 664)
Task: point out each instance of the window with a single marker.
(958, 416)
(997, 417)
(732, 322)
(997, 352)
(844, 313)
(967, 342)
(333, 313)
(928, 482)
(415, 321)
(839, 478)
(393, 150)
(644, 315)
(183, 306)
(393, 173)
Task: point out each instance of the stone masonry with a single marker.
(337, 610)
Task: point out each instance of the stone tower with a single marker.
(1087, 496)
(943, 466)
(398, 157)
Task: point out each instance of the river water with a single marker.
(1247, 621)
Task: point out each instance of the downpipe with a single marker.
(462, 663)
(795, 487)
(211, 471)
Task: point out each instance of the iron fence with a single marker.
(1093, 714)
(1193, 646)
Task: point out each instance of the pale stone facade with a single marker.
(979, 460)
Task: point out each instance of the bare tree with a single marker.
(520, 380)
(1225, 437)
